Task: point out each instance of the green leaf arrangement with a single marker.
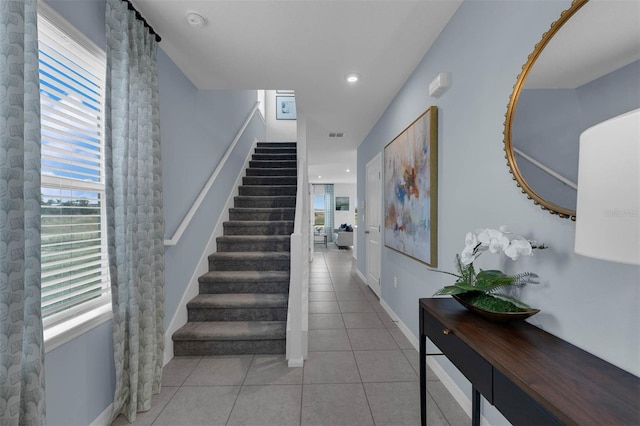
(487, 283)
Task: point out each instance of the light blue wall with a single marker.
(205, 121)
(197, 126)
(590, 303)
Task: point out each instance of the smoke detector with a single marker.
(195, 19)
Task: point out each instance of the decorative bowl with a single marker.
(497, 316)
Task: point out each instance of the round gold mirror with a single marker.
(585, 70)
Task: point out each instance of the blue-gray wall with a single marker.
(548, 123)
(590, 303)
(197, 126)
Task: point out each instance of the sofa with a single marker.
(343, 237)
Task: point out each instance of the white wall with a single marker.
(278, 130)
(345, 190)
(590, 303)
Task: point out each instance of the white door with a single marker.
(373, 207)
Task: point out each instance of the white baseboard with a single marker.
(293, 363)
(180, 317)
(104, 419)
(461, 398)
(361, 275)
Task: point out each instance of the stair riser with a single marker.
(262, 191)
(259, 164)
(264, 150)
(248, 265)
(264, 202)
(238, 314)
(271, 172)
(288, 214)
(274, 157)
(276, 145)
(228, 347)
(238, 246)
(270, 180)
(270, 229)
(246, 287)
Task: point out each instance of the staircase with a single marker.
(242, 305)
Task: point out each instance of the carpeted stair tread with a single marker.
(258, 227)
(264, 201)
(269, 180)
(231, 330)
(276, 144)
(276, 150)
(273, 171)
(280, 164)
(275, 157)
(248, 255)
(244, 276)
(235, 243)
(261, 213)
(240, 238)
(265, 190)
(239, 300)
(262, 209)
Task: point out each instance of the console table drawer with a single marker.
(517, 406)
(475, 368)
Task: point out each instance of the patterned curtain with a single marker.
(134, 209)
(21, 340)
(329, 203)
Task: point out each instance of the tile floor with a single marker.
(361, 370)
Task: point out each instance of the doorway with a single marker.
(373, 209)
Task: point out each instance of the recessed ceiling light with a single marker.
(352, 78)
(319, 177)
(195, 19)
(348, 171)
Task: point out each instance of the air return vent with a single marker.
(336, 134)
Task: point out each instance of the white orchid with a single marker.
(518, 247)
(488, 282)
(495, 241)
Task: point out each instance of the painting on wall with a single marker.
(285, 108)
(411, 190)
(342, 203)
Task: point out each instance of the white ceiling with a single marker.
(308, 46)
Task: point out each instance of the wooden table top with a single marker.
(574, 385)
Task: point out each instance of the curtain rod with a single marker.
(130, 6)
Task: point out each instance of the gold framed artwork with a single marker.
(411, 190)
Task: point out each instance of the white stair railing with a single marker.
(546, 169)
(205, 189)
(297, 313)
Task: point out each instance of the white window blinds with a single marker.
(75, 277)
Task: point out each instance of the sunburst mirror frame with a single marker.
(511, 107)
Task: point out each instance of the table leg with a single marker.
(475, 407)
(423, 378)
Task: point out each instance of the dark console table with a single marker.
(531, 376)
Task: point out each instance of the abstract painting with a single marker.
(411, 190)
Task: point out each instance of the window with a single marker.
(75, 278)
(318, 210)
